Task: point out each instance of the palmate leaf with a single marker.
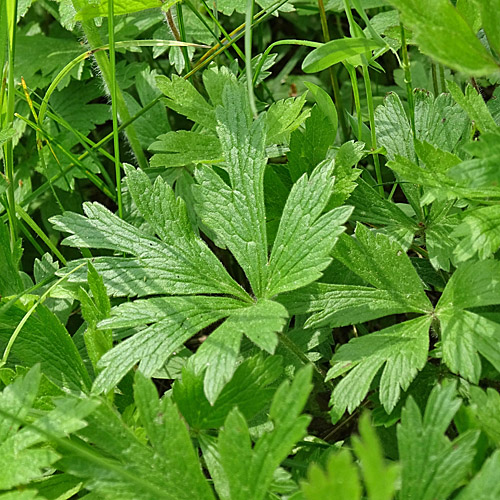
(305, 237)
(180, 264)
(432, 466)
(466, 333)
(244, 232)
(173, 321)
(402, 348)
(379, 261)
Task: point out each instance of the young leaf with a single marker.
(402, 348)
(473, 104)
(181, 148)
(305, 237)
(379, 478)
(169, 436)
(484, 485)
(486, 407)
(184, 99)
(432, 466)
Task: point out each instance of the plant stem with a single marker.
(333, 75)
(409, 86)
(113, 90)
(11, 11)
(94, 40)
(248, 55)
(371, 116)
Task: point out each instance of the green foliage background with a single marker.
(249, 250)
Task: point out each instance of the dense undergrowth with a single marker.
(250, 251)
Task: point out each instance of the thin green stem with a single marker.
(114, 107)
(248, 55)
(407, 73)
(442, 78)
(39, 232)
(11, 10)
(357, 101)
(182, 30)
(435, 85)
(333, 75)
(371, 116)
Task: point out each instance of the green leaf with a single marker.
(21, 458)
(337, 51)
(115, 463)
(479, 233)
(251, 476)
(305, 235)
(481, 171)
(248, 389)
(433, 24)
(486, 408)
(465, 334)
(6, 134)
(342, 305)
(283, 117)
(347, 157)
(340, 480)
(473, 104)
(309, 147)
(432, 466)
(402, 348)
(174, 320)
(182, 148)
(382, 263)
(371, 208)
(473, 284)
(43, 339)
(379, 478)
(484, 485)
(218, 354)
(10, 279)
(242, 141)
(100, 9)
(170, 438)
(95, 309)
(183, 265)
